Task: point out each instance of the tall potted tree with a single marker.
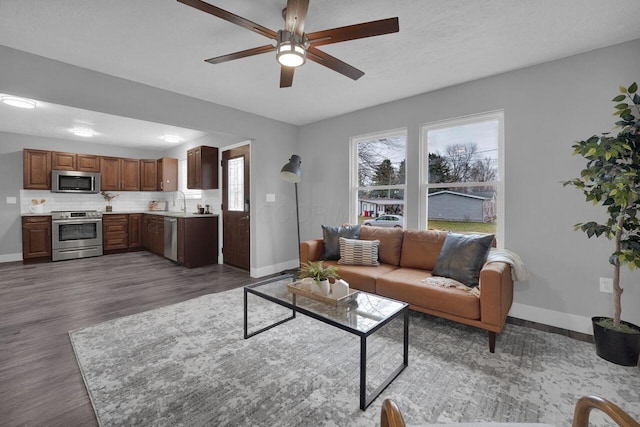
(611, 178)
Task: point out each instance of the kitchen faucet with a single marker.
(184, 201)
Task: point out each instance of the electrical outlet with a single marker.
(606, 285)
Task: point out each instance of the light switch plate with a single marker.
(271, 197)
(11, 200)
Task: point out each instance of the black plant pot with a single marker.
(617, 347)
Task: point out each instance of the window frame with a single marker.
(498, 115)
(353, 176)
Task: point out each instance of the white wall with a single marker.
(273, 142)
(547, 107)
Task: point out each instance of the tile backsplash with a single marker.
(127, 201)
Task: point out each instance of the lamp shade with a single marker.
(291, 171)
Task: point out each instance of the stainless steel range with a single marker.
(76, 234)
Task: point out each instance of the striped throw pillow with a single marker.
(359, 252)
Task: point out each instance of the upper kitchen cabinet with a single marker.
(36, 171)
(159, 175)
(118, 174)
(75, 162)
(202, 168)
(168, 174)
(148, 175)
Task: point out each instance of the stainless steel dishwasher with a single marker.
(171, 238)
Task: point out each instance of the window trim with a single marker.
(353, 165)
(499, 183)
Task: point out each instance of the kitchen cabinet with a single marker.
(36, 169)
(74, 162)
(64, 161)
(148, 175)
(118, 174)
(159, 175)
(167, 174)
(202, 168)
(88, 163)
(115, 232)
(153, 233)
(135, 231)
(36, 238)
(198, 241)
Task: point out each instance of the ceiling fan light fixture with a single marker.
(15, 101)
(290, 50)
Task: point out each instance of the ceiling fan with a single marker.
(292, 45)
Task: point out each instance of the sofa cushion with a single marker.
(462, 257)
(358, 252)
(330, 236)
(406, 284)
(420, 248)
(361, 277)
(390, 242)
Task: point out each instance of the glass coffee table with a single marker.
(362, 315)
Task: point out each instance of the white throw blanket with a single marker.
(518, 271)
(445, 282)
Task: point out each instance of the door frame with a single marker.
(251, 204)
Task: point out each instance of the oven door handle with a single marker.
(76, 221)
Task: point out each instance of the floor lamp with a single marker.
(291, 172)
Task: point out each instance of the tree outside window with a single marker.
(380, 172)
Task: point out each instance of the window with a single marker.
(462, 178)
(182, 182)
(235, 186)
(378, 175)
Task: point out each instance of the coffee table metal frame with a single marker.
(365, 400)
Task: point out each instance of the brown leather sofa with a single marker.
(406, 258)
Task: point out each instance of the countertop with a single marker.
(160, 213)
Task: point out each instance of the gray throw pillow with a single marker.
(462, 257)
(331, 244)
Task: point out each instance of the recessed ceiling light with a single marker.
(14, 101)
(171, 138)
(85, 132)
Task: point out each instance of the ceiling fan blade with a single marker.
(334, 63)
(230, 17)
(295, 16)
(241, 54)
(286, 76)
(352, 32)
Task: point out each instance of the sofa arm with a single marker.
(496, 293)
(310, 250)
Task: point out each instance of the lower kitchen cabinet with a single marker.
(36, 238)
(135, 231)
(115, 232)
(199, 241)
(153, 234)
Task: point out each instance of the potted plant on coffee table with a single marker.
(320, 274)
(611, 178)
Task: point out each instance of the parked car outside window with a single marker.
(386, 221)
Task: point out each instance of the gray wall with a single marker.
(546, 107)
(273, 142)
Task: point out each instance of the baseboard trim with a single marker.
(274, 268)
(10, 258)
(564, 323)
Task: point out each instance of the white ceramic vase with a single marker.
(322, 287)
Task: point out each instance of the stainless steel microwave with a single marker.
(75, 182)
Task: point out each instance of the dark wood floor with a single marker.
(40, 383)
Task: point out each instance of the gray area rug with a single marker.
(188, 365)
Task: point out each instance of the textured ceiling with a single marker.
(163, 43)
